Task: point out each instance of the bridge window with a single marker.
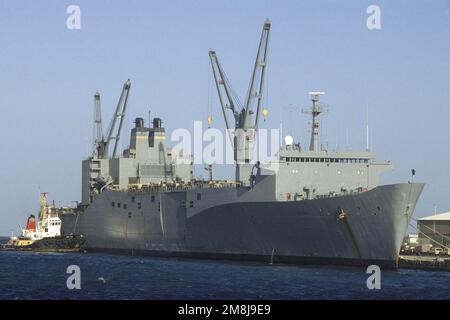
(112, 204)
(132, 199)
(118, 204)
(139, 205)
(153, 198)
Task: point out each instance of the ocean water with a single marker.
(25, 275)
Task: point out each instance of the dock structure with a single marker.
(435, 263)
(435, 230)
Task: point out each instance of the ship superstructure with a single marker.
(147, 160)
(318, 172)
(319, 206)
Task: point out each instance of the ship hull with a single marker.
(358, 229)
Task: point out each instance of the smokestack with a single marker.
(31, 223)
(156, 123)
(139, 122)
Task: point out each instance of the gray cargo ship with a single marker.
(319, 206)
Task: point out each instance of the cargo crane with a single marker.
(97, 167)
(102, 142)
(244, 127)
(98, 139)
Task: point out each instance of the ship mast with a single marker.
(315, 110)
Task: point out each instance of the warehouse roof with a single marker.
(441, 216)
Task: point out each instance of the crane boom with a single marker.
(255, 91)
(98, 139)
(126, 87)
(119, 113)
(256, 87)
(223, 89)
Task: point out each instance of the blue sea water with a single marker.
(25, 275)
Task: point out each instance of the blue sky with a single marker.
(48, 75)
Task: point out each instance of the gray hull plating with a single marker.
(356, 229)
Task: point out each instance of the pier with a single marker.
(436, 263)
